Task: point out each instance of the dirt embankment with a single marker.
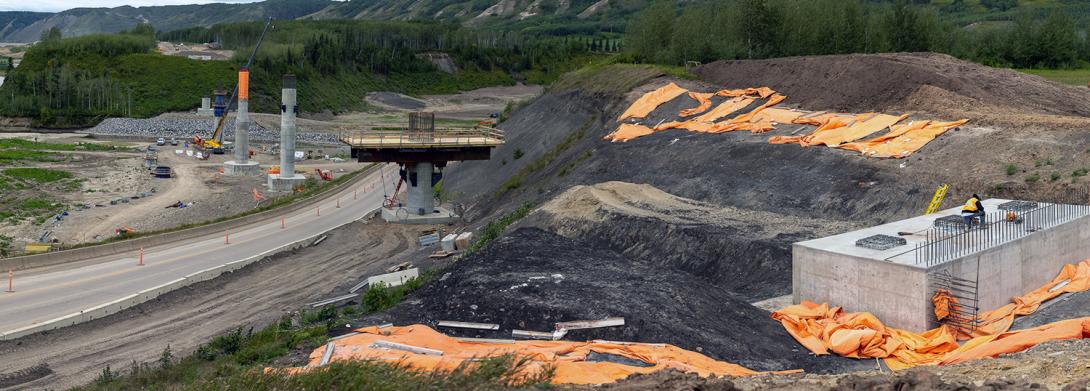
(713, 243)
(878, 82)
(530, 279)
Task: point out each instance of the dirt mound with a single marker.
(866, 82)
(530, 279)
(717, 244)
(395, 100)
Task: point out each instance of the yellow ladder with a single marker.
(936, 200)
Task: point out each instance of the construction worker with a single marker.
(973, 209)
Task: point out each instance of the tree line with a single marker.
(747, 29)
(78, 81)
(68, 78)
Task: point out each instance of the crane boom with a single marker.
(216, 141)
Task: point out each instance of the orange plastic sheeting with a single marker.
(717, 127)
(568, 357)
(777, 115)
(762, 92)
(724, 109)
(1016, 341)
(944, 303)
(822, 329)
(903, 142)
(748, 117)
(704, 102)
(857, 130)
(627, 132)
(1072, 278)
(825, 123)
(651, 100)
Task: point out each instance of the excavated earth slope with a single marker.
(530, 279)
(716, 244)
(864, 82)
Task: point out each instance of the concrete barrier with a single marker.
(146, 295)
(134, 245)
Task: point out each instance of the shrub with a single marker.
(1033, 178)
(1012, 169)
(40, 175)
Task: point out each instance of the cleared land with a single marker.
(681, 232)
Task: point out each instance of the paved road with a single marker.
(49, 294)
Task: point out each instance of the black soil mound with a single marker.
(530, 279)
(864, 82)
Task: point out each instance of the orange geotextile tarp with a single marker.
(861, 127)
(777, 115)
(703, 100)
(903, 140)
(568, 357)
(836, 130)
(823, 329)
(724, 109)
(717, 127)
(762, 92)
(627, 132)
(651, 100)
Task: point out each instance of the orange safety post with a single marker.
(281, 222)
(141, 257)
(338, 202)
(227, 235)
(11, 277)
(318, 209)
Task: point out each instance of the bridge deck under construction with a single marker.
(440, 138)
(417, 146)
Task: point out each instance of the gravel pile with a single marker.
(185, 128)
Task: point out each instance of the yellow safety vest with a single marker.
(970, 205)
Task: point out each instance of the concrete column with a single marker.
(242, 137)
(242, 119)
(422, 194)
(287, 127)
(242, 164)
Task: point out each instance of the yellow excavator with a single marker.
(211, 144)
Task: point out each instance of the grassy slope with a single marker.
(1074, 77)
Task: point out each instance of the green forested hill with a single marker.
(1033, 34)
(78, 81)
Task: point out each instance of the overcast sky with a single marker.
(61, 5)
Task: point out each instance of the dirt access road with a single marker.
(186, 185)
(254, 296)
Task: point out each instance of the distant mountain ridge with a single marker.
(28, 26)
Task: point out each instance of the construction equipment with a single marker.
(124, 231)
(326, 175)
(215, 143)
(936, 200)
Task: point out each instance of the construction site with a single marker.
(766, 224)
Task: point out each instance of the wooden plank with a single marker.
(590, 324)
(532, 334)
(332, 300)
(328, 354)
(469, 325)
(407, 348)
(658, 345)
(485, 340)
(527, 334)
